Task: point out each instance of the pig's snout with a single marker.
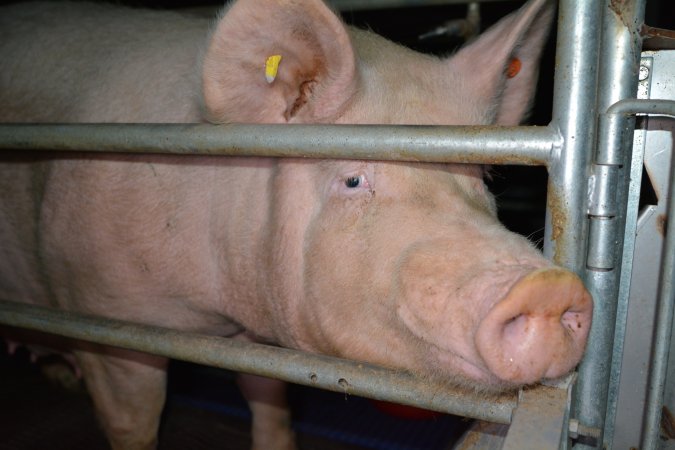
(539, 329)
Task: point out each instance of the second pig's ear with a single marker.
(313, 81)
(498, 71)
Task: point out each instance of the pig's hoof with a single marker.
(59, 373)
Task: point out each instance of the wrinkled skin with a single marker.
(403, 265)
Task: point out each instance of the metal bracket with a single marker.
(540, 417)
(538, 420)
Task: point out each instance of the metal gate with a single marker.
(593, 227)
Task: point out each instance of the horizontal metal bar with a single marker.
(631, 106)
(381, 4)
(289, 365)
(617, 125)
(448, 144)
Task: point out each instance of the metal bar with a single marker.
(664, 326)
(627, 370)
(604, 258)
(446, 144)
(574, 114)
(616, 129)
(354, 5)
(619, 63)
(618, 60)
(632, 106)
(574, 110)
(538, 420)
(289, 365)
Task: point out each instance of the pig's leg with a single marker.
(271, 428)
(128, 390)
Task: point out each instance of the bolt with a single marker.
(576, 430)
(644, 72)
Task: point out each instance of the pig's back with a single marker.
(99, 63)
(64, 217)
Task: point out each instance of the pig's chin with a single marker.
(461, 372)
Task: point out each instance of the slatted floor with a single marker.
(35, 414)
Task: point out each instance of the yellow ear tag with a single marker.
(272, 67)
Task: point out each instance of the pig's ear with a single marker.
(498, 72)
(314, 80)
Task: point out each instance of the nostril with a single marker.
(516, 327)
(573, 321)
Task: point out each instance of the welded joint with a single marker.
(557, 143)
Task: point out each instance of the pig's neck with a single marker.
(241, 235)
(264, 247)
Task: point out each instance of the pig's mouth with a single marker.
(468, 374)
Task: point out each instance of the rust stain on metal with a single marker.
(661, 223)
(619, 7)
(657, 38)
(667, 423)
(482, 435)
(557, 218)
(626, 15)
(471, 439)
(649, 32)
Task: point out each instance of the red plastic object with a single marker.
(403, 411)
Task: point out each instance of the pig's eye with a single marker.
(353, 182)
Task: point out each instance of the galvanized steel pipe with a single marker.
(616, 52)
(289, 365)
(663, 331)
(616, 132)
(352, 5)
(616, 129)
(574, 112)
(446, 144)
(632, 107)
(664, 321)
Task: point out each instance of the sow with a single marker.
(399, 264)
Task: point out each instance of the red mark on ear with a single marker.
(513, 68)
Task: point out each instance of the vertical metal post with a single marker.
(574, 114)
(617, 79)
(664, 326)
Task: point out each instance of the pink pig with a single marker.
(399, 264)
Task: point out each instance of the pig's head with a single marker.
(400, 264)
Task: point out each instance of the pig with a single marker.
(404, 265)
